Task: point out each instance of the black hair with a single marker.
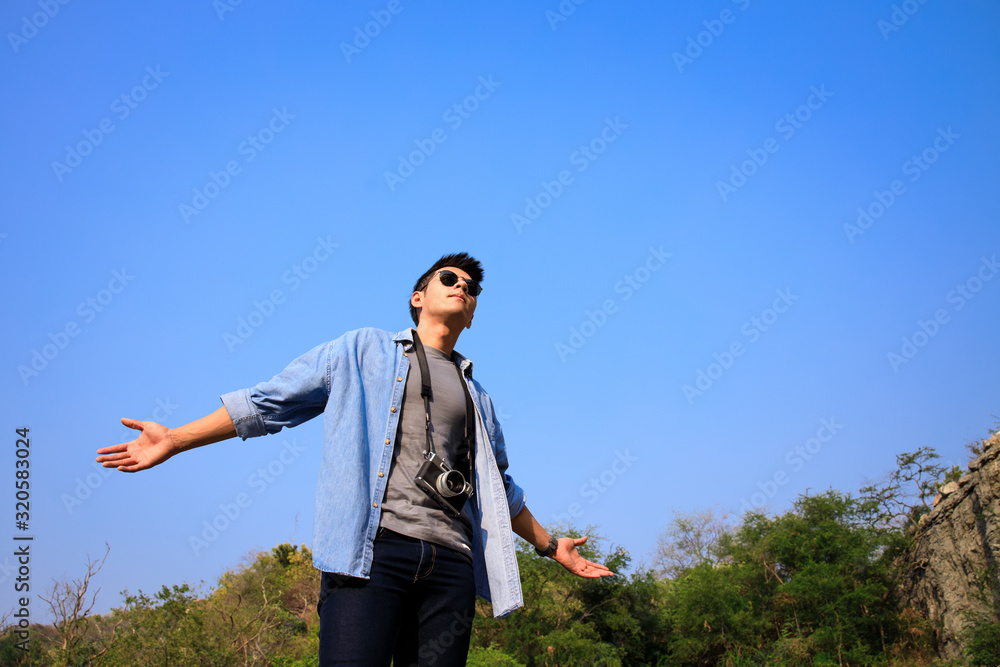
(461, 260)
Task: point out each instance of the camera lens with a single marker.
(450, 484)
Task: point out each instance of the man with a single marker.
(404, 543)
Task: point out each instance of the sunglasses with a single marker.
(450, 279)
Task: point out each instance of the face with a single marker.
(447, 303)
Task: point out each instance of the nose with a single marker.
(461, 282)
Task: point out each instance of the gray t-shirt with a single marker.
(406, 508)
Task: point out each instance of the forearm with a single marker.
(564, 552)
(527, 527)
(211, 428)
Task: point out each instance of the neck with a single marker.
(439, 335)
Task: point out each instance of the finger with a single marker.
(598, 570)
(598, 575)
(113, 457)
(131, 468)
(113, 449)
(592, 570)
(580, 540)
(133, 423)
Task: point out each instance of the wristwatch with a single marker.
(549, 550)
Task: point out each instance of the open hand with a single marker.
(154, 445)
(567, 556)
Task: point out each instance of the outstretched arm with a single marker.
(157, 443)
(525, 525)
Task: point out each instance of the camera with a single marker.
(444, 484)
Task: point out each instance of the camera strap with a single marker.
(466, 450)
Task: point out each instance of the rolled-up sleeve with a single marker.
(297, 394)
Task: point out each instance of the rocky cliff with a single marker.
(957, 551)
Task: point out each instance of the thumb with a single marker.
(132, 423)
(580, 540)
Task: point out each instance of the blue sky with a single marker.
(731, 248)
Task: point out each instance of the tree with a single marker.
(628, 612)
(556, 626)
(173, 627)
(819, 578)
(690, 539)
(268, 606)
(904, 497)
(70, 607)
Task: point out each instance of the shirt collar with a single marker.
(406, 336)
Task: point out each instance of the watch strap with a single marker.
(549, 550)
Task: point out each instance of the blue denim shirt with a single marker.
(356, 382)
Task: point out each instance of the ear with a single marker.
(416, 300)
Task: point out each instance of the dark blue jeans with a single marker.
(416, 609)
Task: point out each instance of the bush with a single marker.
(491, 656)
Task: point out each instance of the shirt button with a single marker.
(387, 441)
(399, 379)
(374, 504)
(392, 409)
(381, 474)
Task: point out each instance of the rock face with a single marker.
(956, 544)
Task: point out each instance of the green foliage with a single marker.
(262, 613)
(311, 660)
(808, 587)
(837, 577)
(568, 620)
(982, 627)
(491, 656)
(983, 643)
(629, 613)
(12, 656)
(172, 627)
(705, 609)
